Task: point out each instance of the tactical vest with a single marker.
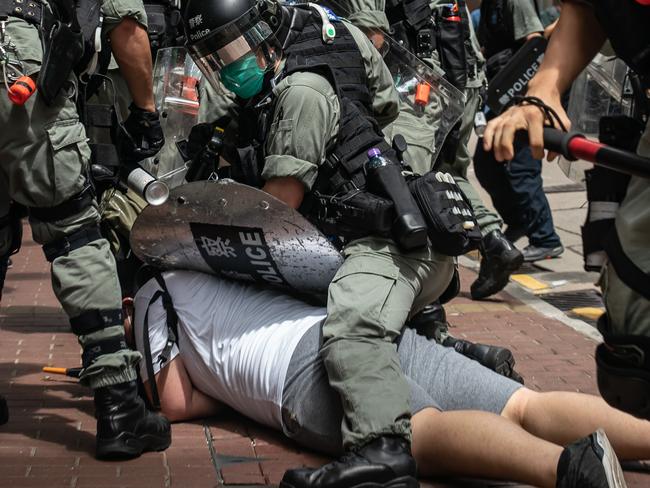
(341, 63)
(69, 35)
(626, 23)
(421, 29)
(165, 26)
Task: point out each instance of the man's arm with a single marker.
(575, 42)
(179, 400)
(130, 46)
(305, 121)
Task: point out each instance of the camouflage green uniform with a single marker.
(44, 158)
(627, 310)
(370, 14)
(378, 286)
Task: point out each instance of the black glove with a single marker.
(141, 136)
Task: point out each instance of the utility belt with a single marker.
(68, 33)
(451, 226)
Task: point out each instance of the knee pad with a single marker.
(623, 374)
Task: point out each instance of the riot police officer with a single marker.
(45, 159)
(417, 26)
(312, 94)
(622, 361)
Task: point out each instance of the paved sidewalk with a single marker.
(49, 439)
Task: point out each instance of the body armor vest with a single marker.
(341, 63)
(424, 30)
(165, 26)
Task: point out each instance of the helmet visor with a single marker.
(219, 48)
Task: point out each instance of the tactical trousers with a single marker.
(373, 293)
(44, 158)
(628, 311)
(487, 220)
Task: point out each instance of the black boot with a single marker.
(500, 259)
(125, 428)
(498, 359)
(431, 322)
(4, 411)
(385, 462)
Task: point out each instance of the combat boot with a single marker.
(432, 323)
(500, 258)
(385, 462)
(125, 428)
(4, 411)
(498, 359)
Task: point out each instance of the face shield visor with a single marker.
(238, 55)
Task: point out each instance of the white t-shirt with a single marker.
(235, 339)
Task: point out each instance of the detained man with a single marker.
(256, 350)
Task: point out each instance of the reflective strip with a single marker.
(602, 210)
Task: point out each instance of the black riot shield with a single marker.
(226, 228)
(513, 79)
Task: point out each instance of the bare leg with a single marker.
(563, 417)
(481, 444)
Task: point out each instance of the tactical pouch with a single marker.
(451, 48)
(453, 229)
(63, 47)
(352, 216)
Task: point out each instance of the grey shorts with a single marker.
(439, 378)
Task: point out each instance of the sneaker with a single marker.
(533, 253)
(500, 258)
(385, 462)
(590, 462)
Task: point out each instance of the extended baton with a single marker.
(573, 146)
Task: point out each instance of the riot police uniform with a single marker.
(315, 126)
(623, 366)
(45, 159)
(516, 189)
(411, 23)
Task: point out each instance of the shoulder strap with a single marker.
(172, 334)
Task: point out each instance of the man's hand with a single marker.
(500, 132)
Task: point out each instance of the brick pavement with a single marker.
(49, 440)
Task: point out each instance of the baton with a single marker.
(573, 146)
(72, 372)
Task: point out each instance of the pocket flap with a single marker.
(66, 133)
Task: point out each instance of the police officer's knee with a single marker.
(623, 372)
